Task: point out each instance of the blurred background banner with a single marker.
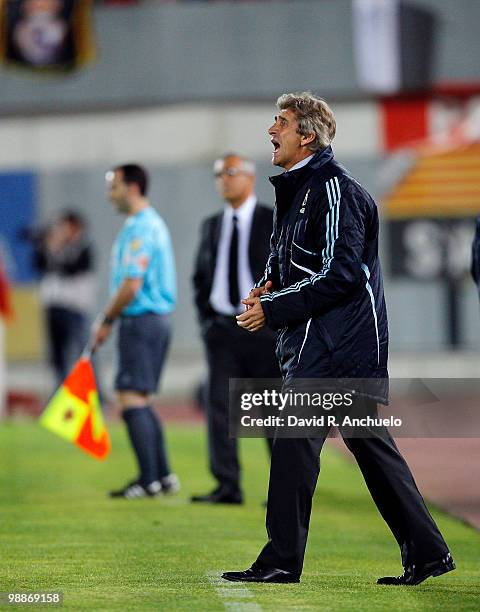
(18, 202)
(19, 210)
(377, 43)
(394, 45)
(46, 35)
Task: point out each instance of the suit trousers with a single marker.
(67, 337)
(232, 352)
(294, 471)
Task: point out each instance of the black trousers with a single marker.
(294, 471)
(67, 337)
(232, 352)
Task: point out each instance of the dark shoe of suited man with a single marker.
(412, 575)
(261, 573)
(415, 574)
(219, 496)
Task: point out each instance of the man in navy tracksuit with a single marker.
(323, 292)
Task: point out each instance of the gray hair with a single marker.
(314, 116)
(248, 165)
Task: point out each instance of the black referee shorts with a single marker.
(143, 342)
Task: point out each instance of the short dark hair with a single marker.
(134, 174)
(74, 217)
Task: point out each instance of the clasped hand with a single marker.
(253, 318)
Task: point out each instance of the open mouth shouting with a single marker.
(276, 147)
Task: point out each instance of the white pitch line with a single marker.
(231, 592)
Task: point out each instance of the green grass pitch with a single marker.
(59, 531)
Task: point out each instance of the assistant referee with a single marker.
(143, 290)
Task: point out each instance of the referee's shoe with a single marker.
(167, 485)
(135, 490)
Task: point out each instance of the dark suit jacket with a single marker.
(258, 251)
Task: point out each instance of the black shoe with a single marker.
(261, 573)
(135, 490)
(218, 497)
(415, 574)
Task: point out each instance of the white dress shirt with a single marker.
(220, 295)
(301, 163)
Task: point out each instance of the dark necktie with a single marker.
(233, 292)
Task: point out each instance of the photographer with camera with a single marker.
(64, 259)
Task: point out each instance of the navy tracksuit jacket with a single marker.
(327, 300)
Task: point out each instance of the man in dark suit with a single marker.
(234, 245)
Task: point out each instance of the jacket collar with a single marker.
(295, 177)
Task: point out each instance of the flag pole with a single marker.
(90, 347)
(87, 351)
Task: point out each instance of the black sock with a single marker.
(162, 459)
(144, 442)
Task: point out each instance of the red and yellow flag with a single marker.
(74, 412)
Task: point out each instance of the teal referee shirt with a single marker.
(143, 249)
